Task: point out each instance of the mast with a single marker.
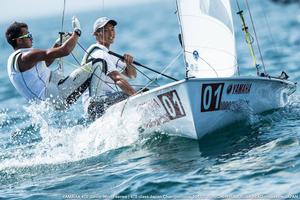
(181, 39)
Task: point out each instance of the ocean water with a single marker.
(45, 154)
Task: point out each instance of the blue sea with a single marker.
(46, 154)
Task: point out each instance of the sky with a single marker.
(12, 10)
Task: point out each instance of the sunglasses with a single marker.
(28, 35)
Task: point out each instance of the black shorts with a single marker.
(97, 108)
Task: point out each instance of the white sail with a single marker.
(208, 37)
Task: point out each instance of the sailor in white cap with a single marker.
(111, 87)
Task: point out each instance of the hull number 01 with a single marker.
(211, 96)
(172, 104)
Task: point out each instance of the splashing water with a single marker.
(70, 144)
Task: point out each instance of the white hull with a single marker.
(192, 108)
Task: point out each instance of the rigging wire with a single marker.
(63, 16)
(272, 37)
(60, 63)
(256, 38)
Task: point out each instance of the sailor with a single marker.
(111, 86)
(29, 73)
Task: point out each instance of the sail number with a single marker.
(211, 97)
(172, 104)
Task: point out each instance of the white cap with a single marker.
(102, 21)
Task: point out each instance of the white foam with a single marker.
(70, 144)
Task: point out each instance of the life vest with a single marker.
(31, 83)
(97, 80)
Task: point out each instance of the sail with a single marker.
(208, 38)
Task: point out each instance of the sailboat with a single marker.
(213, 94)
